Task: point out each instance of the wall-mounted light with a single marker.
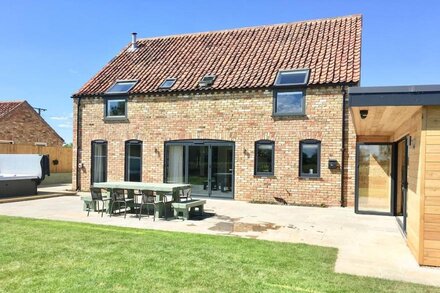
(363, 113)
(412, 142)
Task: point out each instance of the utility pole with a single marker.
(39, 110)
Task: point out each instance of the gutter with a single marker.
(344, 96)
(78, 170)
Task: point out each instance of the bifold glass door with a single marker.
(198, 169)
(208, 166)
(374, 178)
(221, 171)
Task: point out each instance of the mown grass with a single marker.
(49, 256)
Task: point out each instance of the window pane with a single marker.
(289, 102)
(121, 87)
(167, 83)
(99, 162)
(374, 178)
(264, 158)
(175, 164)
(116, 108)
(285, 78)
(309, 156)
(134, 153)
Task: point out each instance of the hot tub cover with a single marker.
(23, 166)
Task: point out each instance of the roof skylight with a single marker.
(168, 83)
(207, 80)
(292, 77)
(121, 86)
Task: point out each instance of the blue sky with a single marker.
(48, 49)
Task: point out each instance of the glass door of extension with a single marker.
(402, 182)
(208, 165)
(374, 178)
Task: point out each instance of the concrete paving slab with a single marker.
(368, 245)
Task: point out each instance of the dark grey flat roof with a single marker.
(416, 95)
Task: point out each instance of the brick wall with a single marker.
(25, 126)
(240, 116)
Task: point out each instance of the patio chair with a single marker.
(150, 200)
(185, 194)
(118, 196)
(96, 194)
(146, 200)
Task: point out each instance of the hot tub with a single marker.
(21, 174)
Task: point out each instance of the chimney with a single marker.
(133, 41)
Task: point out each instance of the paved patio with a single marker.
(368, 245)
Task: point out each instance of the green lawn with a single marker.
(42, 256)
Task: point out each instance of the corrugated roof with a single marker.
(240, 58)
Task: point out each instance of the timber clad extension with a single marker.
(407, 119)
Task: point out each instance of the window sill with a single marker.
(116, 120)
(317, 178)
(270, 176)
(289, 116)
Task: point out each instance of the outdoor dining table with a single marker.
(161, 189)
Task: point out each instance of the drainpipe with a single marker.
(344, 96)
(78, 169)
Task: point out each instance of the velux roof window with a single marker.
(121, 87)
(168, 83)
(292, 77)
(207, 80)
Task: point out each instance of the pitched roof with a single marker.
(8, 107)
(240, 58)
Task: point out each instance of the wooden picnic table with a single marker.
(161, 189)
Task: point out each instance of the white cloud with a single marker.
(63, 117)
(59, 117)
(65, 125)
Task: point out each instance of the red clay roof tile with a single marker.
(240, 58)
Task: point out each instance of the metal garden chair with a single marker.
(148, 200)
(185, 194)
(118, 197)
(96, 194)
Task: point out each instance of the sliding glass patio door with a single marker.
(207, 165)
